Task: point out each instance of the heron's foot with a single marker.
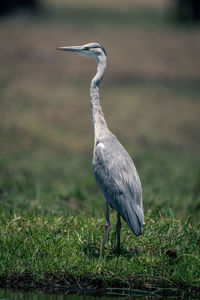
(118, 249)
(135, 250)
(107, 224)
(118, 226)
(107, 227)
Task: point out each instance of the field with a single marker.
(52, 213)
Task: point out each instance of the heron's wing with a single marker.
(118, 179)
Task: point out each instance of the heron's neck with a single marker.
(99, 123)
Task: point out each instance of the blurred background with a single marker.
(150, 97)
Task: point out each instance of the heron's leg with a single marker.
(118, 231)
(107, 225)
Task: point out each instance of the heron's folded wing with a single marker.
(118, 179)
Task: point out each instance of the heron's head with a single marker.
(91, 50)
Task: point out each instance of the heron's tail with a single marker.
(135, 218)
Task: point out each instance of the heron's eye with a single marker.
(86, 48)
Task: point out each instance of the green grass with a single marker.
(46, 181)
(52, 218)
(51, 210)
(64, 250)
(92, 16)
(52, 213)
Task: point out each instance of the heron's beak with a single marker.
(76, 49)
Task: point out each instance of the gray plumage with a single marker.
(118, 179)
(113, 168)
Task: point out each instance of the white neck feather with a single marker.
(99, 123)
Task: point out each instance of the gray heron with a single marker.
(113, 168)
